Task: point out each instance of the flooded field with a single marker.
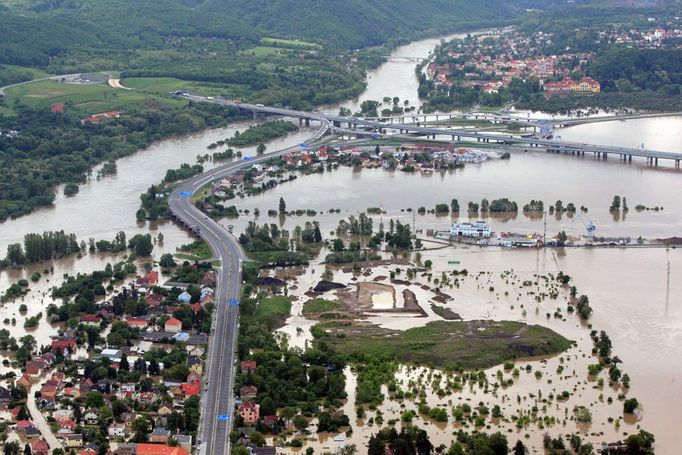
(534, 396)
(634, 297)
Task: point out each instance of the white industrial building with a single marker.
(477, 229)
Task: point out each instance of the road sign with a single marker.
(224, 417)
(248, 158)
(304, 146)
(233, 302)
(237, 401)
(185, 193)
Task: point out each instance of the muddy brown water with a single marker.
(627, 288)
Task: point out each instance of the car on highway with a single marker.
(260, 105)
(210, 98)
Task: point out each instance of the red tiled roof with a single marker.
(159, 449)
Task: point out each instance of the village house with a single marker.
(154, 300)
(25, 382)
(40, 447)
(248, 366)
(160, 435)
(149, 449)
(116, 430)
(66, 426)
(74, 440)
(65, 345)
(173, 325)
(250, 412)
(91, 320)
(91, 418)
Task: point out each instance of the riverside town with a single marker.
(380, 227)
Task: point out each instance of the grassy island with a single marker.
(470, 344)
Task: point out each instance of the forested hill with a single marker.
(35, 30)
(359, 23)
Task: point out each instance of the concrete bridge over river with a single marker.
(372, 126)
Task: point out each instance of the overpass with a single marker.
(217, 400)
(335, 122)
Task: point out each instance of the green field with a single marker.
(471, 344)
(197, 251)
(95, 98)
(294, 44)
(88, 99)
(259, 51)
(35, 72)
(317, 306)
(273, 311)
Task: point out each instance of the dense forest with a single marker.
(58, 28)
(54, 148)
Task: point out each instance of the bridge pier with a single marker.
(255, 115)
(677, 164)
(307, 122)
(630, 158)
(337, 123)
(656, 161)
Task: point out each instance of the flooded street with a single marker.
(628, 288)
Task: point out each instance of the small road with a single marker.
(218, 400)
(41, 423)
(47, 78)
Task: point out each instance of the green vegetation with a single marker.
(262, 133)
(445, 313)
(268, 245)
(472, 344)
(41, 247)
(318, 306)
(273, 311)
(55, 148)
(195, 251)
(293, 385)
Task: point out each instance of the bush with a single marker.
(630, 405)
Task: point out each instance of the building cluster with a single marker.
(423, 158)
(492, 61)
(669, 36)
(64, 396)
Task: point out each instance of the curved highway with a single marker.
(217, 398)
(410, 128)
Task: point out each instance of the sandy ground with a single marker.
(116, 83)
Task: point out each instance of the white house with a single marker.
(477, 229)
(117, 430)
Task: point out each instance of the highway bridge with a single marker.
(367, 126)
(217, 400)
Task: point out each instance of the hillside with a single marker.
(35, 32)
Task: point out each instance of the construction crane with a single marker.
(590, 227)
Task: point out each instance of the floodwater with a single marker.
(513, 300)
(628, 288)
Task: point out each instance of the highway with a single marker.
(217, 398)
(414, 129)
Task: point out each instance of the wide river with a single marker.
(628, 288)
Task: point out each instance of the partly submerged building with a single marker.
(477, 229)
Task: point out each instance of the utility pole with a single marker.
(667, 290)
(544, 234)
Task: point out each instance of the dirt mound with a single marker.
(324, 286)
(270, 281)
